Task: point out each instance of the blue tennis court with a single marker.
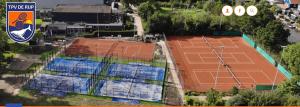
(74, 66)
(137, 71)
(52, 84)
(129, 89)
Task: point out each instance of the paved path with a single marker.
(138, 24)
(137, 21)
(172, 69)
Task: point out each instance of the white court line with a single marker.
(213, 76)
(202, 60)
(198, 81)
(251, 77)
(225, 84)
(267, 76)
(243, 53)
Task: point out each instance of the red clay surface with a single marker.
(102, 47)
(199, 65)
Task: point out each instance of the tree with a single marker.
(273, 36)
(242, 99)
(146, 9)
(292, 100)
(190, 101)
(160, 23)
(234, 90)
(250, 25)
(291, 56)
(266, 99)
(214, 98)
(133, 2)
(291, 86)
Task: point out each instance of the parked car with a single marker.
(292, 26)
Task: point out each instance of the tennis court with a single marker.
(59, 85)
(74, 66)
(136, 71)
(129, 89)
(220, 63)
(115, 48)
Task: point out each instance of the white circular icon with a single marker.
(252, 10)
(239, 10)
(227, 10)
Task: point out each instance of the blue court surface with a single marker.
(74, 66)
(124, 100)
(53, 84)
(129, 89)
(136, 71)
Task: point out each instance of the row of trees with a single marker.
(287, 94)
(291, 57)
(263, 28)
(185, 21)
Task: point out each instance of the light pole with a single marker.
(216, 80)
(98, 22)
(283, 47)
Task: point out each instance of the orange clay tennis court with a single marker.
(198, 61)
(116, 48)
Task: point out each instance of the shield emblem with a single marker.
(20, 20)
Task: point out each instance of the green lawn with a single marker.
(39, 21)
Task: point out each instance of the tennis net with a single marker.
(222, 61)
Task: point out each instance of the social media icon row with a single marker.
(239, 10)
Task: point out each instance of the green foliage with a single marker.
(160, 23)
(252, 98)
(2, 9)
(292, 100)
(234, 90)
(147, 9)
(194, 102)
(291, 86)
(134, 2)
(242, 99)
(190, 101)
(192, 93)
(213, 7)
(214, 98)
(3, 41)
(250, 25)
(266, 99)
(291, 55)
(273, 36)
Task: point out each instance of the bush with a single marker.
(291, 86)
(292, 100)
(160, 23)
(214, 98)
(291, 56)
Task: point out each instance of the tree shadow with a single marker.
(35, 100)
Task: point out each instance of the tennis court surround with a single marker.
(55, 85)
(74, 66)
(198, 60)
(136, 71)
(129, 89)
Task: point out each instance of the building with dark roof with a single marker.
(42, 4)
(84, 14)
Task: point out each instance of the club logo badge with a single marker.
(20, 21)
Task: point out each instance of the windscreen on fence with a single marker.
(249, 41)
(285, 72)
(264, 87)
(266, 55)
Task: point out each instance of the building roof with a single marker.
(52, 3)
(58, 26)
(295, 1)
(64, 8)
